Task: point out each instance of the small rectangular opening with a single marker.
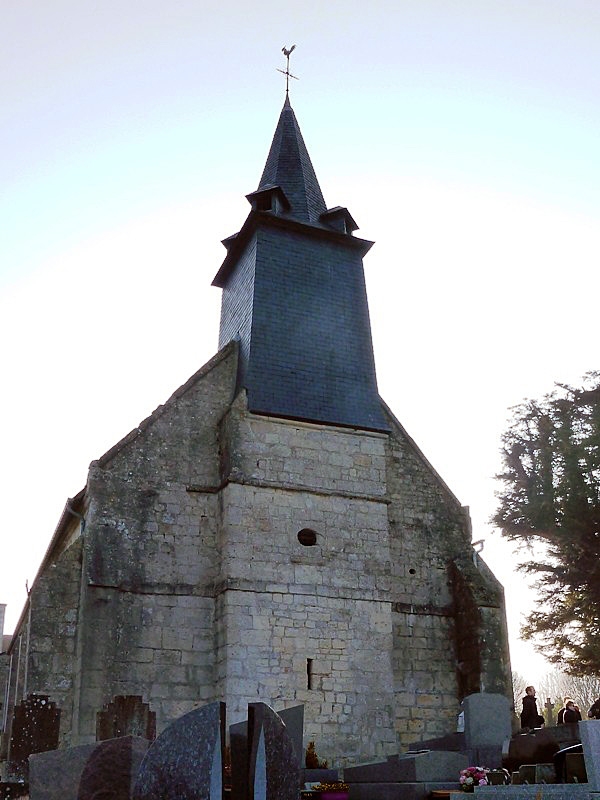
(309, 673)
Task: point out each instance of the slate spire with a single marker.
(294, 297)
(289, 166)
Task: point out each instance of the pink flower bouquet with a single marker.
(472, 777)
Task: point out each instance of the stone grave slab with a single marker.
(589, 730)
(552, 791)
(186, 760)
(487, 725)
(83, 772)
(400, 791)
(429, 766)
(487, 719)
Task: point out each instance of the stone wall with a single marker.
(151, 559)
(308, 624)
(52, 639)
(429, 531)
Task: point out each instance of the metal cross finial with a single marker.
(287, 53)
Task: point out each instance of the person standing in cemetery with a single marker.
(560, 718)
(594, 712)
(569, 714)
(572, 713)
(529, 716)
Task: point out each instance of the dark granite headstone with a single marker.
(35, 729)
(293, 719)
(126, 715)
(186, 760)
(238, 744)
(273, 772)
(86, 771)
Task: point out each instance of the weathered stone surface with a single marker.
(186, 761)
(87, 772)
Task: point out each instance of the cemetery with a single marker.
(198, 757)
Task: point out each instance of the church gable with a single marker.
(149, 494)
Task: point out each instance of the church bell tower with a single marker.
(294, 296)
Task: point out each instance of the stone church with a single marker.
(271, 533)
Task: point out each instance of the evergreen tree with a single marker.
(551, 497)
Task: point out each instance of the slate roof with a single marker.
(289, 166)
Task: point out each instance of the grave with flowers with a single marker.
(470, 777)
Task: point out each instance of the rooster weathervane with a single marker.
(287, 53)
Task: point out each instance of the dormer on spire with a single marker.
(289, 167)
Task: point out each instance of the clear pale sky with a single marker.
(462, 135)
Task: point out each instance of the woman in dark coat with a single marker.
(529, 716)
(572, 713)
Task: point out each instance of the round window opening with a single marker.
(412, 571)
(307, 537)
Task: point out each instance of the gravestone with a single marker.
(238, 748)
(126, 715)
(293, 719)
(428, 766)
(487, 725)
(88, 770)
(273, 772)
(254, 766)
(35, 729)
(549, 706)
(186, 760)
(589, 730)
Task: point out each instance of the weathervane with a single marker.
(287, 53)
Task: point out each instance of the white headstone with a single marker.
(589, 730)
(487, 719)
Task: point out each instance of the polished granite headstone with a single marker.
(88, 770)
(186, 760)
(238, 748)
(293, 719)
(273, 772)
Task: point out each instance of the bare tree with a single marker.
(582, 689)
(518, 687)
